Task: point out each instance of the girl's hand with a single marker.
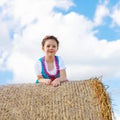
(47, 82)
(56, 82)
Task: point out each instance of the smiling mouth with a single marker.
(51, 51)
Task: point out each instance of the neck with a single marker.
(49, 58)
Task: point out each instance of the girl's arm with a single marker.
(62, 78)
(43, 80)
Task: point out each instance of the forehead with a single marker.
(51, 41)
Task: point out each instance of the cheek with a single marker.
(56, 50)
(44, 48)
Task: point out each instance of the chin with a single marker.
(51, 55)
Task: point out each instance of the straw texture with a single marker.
(74, 100)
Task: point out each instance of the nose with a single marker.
(51, 47)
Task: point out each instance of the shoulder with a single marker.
(38, 67)
(40, 59)
(61, 63)
(60, 59)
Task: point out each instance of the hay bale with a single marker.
(75, 100)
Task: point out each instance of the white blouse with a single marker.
(38, 67)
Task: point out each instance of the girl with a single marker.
(50, 69)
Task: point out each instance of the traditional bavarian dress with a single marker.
(44, 71)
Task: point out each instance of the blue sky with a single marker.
(88, 31)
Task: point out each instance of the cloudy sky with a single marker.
(88, 31)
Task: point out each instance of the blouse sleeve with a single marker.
(38, 68)
(61, 63)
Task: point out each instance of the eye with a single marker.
(54, 46)
(48, 46)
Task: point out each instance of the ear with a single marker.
(42, 48)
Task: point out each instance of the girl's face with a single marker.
(50, 47)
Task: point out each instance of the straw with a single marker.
(74, 100)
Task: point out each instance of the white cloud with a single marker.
(28, 10)
(3, 55)
(117, 116)
(2, 2)
(115, 14)
(65, 4)
(5, 40)
(22, 66)
(101, 12)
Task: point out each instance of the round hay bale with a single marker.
(74, 100)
